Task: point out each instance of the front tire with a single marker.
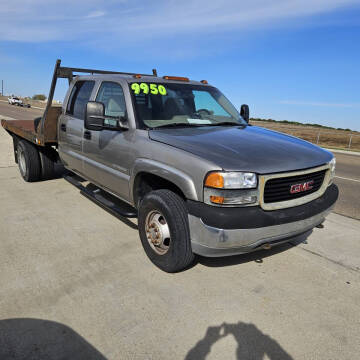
(28, 161)
(164, 230)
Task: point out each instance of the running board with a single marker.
(107, 201)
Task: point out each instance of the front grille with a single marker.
(278, 189)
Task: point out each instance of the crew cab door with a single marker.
(106, 152)
(71, 126)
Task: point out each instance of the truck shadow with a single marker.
(24, 339)
(257, 256)
(251, 343)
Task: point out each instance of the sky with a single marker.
(296, 60)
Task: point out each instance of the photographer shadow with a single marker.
(251, 343)
(31, 339)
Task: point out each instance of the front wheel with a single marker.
(164, 230)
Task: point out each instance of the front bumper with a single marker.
(218, 231)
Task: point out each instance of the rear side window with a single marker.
(79, 96)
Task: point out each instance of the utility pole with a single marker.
(2, 87)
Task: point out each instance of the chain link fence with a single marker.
(328, 138)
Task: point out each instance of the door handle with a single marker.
(87, 135)
(63, 127)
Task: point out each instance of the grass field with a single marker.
(340, 139)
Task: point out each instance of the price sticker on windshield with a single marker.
(146, 88)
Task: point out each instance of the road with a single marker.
(348, 180)
(347, 172)
(17, 112)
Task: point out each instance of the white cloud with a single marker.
(40, 20)
(95, 14)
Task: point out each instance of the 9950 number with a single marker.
(146, 88)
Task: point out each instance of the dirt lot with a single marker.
(328, 138)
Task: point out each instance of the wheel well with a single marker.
(146, 182)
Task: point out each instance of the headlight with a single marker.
(332, 165)
(231, 189)
(231, 180)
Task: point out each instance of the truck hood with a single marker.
(252, 148)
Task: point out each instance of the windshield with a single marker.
(167, 104)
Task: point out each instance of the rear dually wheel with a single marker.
(28, 161)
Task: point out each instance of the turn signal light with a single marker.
(214, 180)
(179, 78)
(138, 76)
(217, 199)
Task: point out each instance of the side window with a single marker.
(112, 96)
(79, 96)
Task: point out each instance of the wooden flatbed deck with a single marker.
(22, 128)
(30, 129)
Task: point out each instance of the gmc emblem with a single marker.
(301, 187)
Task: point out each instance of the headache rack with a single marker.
(68, 73)
(43, 130)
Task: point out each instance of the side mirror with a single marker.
(244, 112)
(123, 124)
(94, 116)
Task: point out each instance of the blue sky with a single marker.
(293, 60)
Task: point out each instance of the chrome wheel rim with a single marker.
(22, 163)
(157, 232)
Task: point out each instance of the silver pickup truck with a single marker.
(176, 154)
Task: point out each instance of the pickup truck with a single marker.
(177, 155)
(13, 100)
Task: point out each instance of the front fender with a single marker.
(182, 180)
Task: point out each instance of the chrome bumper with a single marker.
(210, 241)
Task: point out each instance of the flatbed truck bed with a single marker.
(31, 131)
(22, 128)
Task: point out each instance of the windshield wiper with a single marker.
(178, 125)
(227, 123)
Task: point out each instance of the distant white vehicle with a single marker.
(13, 100)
